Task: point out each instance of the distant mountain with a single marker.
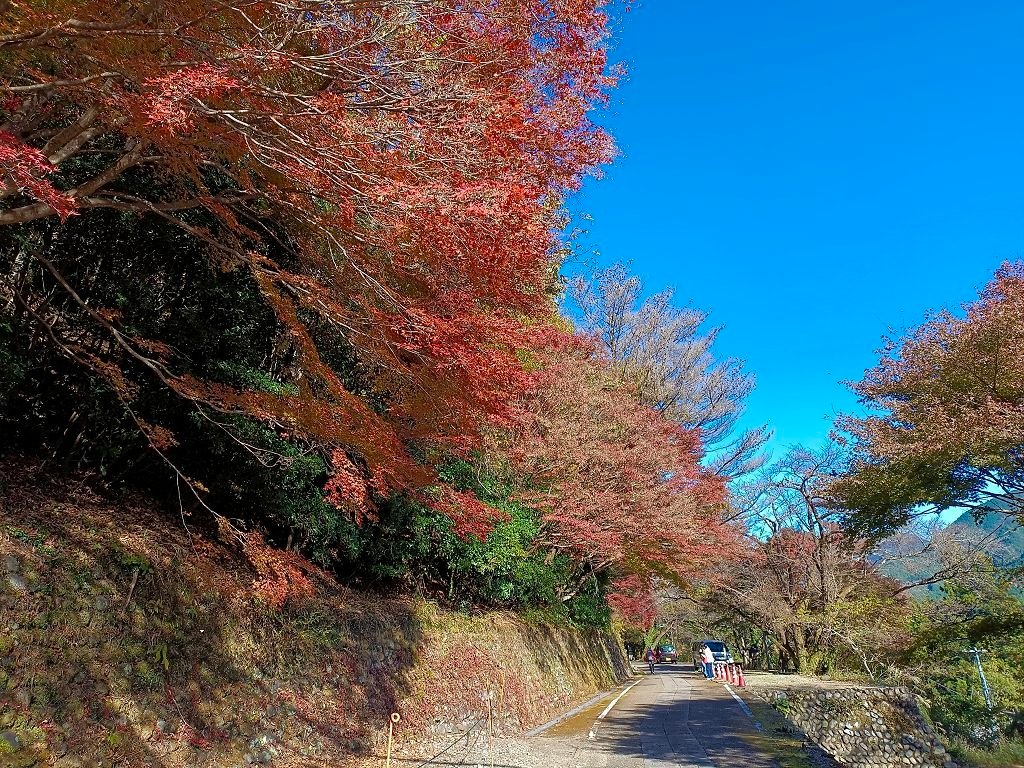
(1007, 537)
(995, 533)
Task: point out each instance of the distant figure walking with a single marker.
(650, 659)
(708, 659)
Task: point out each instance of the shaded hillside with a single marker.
(124, 640)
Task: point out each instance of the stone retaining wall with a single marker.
(864, 727)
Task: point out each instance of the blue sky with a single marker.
(814, 174)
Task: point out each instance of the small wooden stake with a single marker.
(490, 731)
(395, 717)
(131, 589)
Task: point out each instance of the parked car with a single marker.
(718, 649)
(667, 654)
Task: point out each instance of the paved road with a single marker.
(672, 718)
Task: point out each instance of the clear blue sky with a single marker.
(815, 174)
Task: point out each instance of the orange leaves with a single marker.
(159, 437)
(282, 577)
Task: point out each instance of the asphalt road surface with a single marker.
(672, 718)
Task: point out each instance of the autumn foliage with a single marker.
(946, 417)
(309, 252)
(617, 484)
(386, 169)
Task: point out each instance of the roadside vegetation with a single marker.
(124, 640)
(305, 290)
(777, 737)
(846, 571)
(297, 275)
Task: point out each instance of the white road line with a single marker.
(743, 706)
(608, 709)
(616, 700)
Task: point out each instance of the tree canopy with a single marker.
(946, 421)
(296, 266)
(384, 174)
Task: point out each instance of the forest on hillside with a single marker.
(296, 270)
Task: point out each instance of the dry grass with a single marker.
(778, 740)
(1007, 755)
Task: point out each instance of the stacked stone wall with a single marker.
(864, 727)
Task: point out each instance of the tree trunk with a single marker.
(793, 644)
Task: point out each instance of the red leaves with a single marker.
(282, 577)
(632, 598)
(346, 487)
(467, 357)
(409, 157)
(619, 484)
(25, 167)
(178, 96)
(470, 516)
(389, 174)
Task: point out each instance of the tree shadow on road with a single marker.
(703, 729)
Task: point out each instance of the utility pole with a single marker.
(976, 652)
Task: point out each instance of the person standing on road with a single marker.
(708, 659)
(650, 659)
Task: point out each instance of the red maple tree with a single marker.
(389, 169)
(619, 487)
